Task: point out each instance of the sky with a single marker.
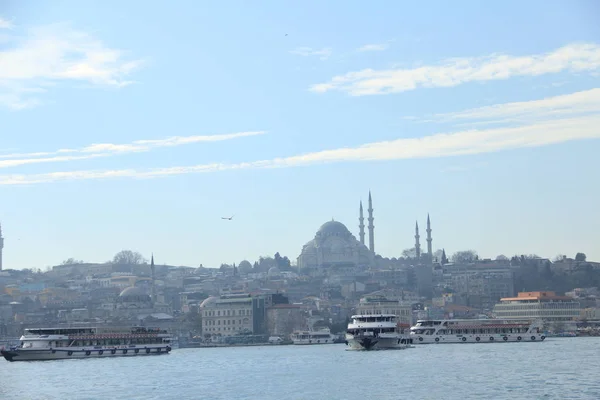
(138, 125)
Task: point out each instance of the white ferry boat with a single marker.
(376, 332)
(65, 343)
(476, 331)
(321, 336)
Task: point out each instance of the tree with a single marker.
(501, 257)
(580, 257)
(128, 257)
(559, 258)
(437, 255)
(409, 253)
(71, 261)
(464, 256)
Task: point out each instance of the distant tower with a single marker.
(417, 244)
(429, 239)
(152, 270)
(371, 226)
(1, 247)
(361, 225)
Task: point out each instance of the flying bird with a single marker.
(228, 218)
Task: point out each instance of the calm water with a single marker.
(561, 368)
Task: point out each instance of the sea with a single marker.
(558, 368)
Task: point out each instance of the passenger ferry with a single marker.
(476, 331)
(65, 343)
(376, 332)
(321, 336)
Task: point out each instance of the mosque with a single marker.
(335, 246)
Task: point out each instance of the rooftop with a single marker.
(536, 296)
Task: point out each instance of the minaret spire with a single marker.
(429, 239)
(361, 224)
(417, 243)
(152, 270)
(371, 226)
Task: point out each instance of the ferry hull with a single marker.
(377, 343)
(304, 342)
(79, 353)
(483, 338)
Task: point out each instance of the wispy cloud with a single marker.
(323, 53)
(579, 57)
(5, 24)
(110, 149)
(578, 103)
(373, 47)
(467, 142)
(32, 62)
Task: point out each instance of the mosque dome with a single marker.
(273, 271)
(209, 301)
(133, 294)
(332, 245)
(333, 228)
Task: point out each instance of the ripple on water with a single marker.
(565, 368)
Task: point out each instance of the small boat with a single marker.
(64, 343)
(321, 336)
(376, 332)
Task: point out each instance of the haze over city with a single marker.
(136, 127)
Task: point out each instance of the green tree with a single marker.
(464, 257)
(580, 257)
(129, 257)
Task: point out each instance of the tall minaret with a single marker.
(1, 247)
(417, 244)
(429, 239)
(152, 270)
(371, 226)
(361, 224)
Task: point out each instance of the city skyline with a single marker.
(143, 135)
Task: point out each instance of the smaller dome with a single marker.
(133, 294)
(274, 271)
(132, 291)
(209, 301)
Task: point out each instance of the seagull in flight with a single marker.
(228, 218)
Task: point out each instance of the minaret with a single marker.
(417, 244)
(429, 239)
(361, 224)
(1, 247)
(371, 226)
(152, 270)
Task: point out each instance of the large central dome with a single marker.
(334, 245)
(333, 228)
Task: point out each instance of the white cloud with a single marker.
(466, 142)
(579, 57)
(5, 24)
(45, 56)
(323, 53)
(373, 47)
(578, 103)
(109, 149)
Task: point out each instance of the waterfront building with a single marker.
(538, 305)
(377, 305)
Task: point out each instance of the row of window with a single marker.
(226, 313)
(225, 322)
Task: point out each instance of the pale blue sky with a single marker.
(505, 179)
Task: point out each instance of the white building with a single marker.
(370, 305)
(227, 316)
(539, 305)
